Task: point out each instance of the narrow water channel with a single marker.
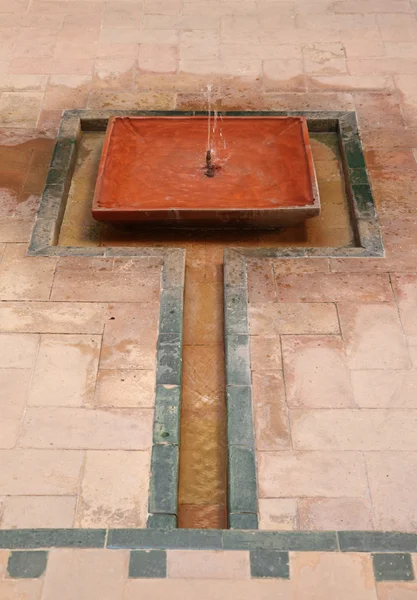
(203, 455)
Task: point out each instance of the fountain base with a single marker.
(157, 170)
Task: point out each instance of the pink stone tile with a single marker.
(293, 318)
(207, 589)
(363, 43)
(277, 514)
(52, 66)
(67, 91)
(207, 564)
(373, 336)
(39, 472)
(24, 278)
(396, 590)
(35, 42)
(335, 514)
(15, 230)
(18, 350)
(372, 6)
(351, 82)
(397, 28)
(324, 58)
(123, 15)
(65, 370)
(391, 481)
(14, 385)
(158, 58)
(4, 557)
(335, 287)
(84, 428)
(283, 75)
(52, 317)
(114, 73)
(114, 490)
(121, 388)
(316, 373)
(261, 287)
(85, 575)
(97, 282)
(345, 429)
(405, 289)
(21, 589)
(300, 265)
(331, 575)
(385, 389)
(270, 411)
(265, 353)
(27, 512)
(311, 474)
(130, 334)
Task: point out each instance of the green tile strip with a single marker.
(52, 538)
(242, 480)
(377, 541)
(163, 538)
(163, 488)
(269, 563)
(26, 564)
(148, 564)
(393, 567)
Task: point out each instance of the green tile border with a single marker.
(52, 538)
(148, 564)
(269, 563)
(27, 564)
(393, 567)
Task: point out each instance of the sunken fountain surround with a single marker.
(162, 529)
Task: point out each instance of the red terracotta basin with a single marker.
(154, 170)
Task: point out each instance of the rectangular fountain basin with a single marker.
(153, 170)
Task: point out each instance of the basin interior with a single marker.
(159, 164)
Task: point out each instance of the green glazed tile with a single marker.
(26, 564)
(52, 538)
(163, 493)
(166, 427)
(243, 521)
(393, 567)
(171, 309)
(377, 541)
(236, 311)
(193, 539)
(169, 359)
(243, 494)
(237, 360)
(162, 521)
(269, 563)
(148, 564)
(239, 416)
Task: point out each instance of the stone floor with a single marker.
(335, 376)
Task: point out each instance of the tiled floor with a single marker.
(334, 347)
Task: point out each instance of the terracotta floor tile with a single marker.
(25, 278)
(82, 428)
(122, 388)
(270, 411)
(265, 353)
(114, 490)
(206, 589)
(28, 512)
(393, 493)
(312, 474)
(347, 429)
(293, 318)
(341, 514)
(277, 514)
(207, 564)
(21, 589)
(405, 289)
(317, 287)
(40, 472)
(86, 575)
(130, 336)
(396, 590)
(321, 576)
(20, 108)
(316, 372)
(261, 287)
(373, 336)
(18, 350)
(65, 371)
(14, 386)
(385, 389)
(52, 317)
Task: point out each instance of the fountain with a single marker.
(178, 171)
